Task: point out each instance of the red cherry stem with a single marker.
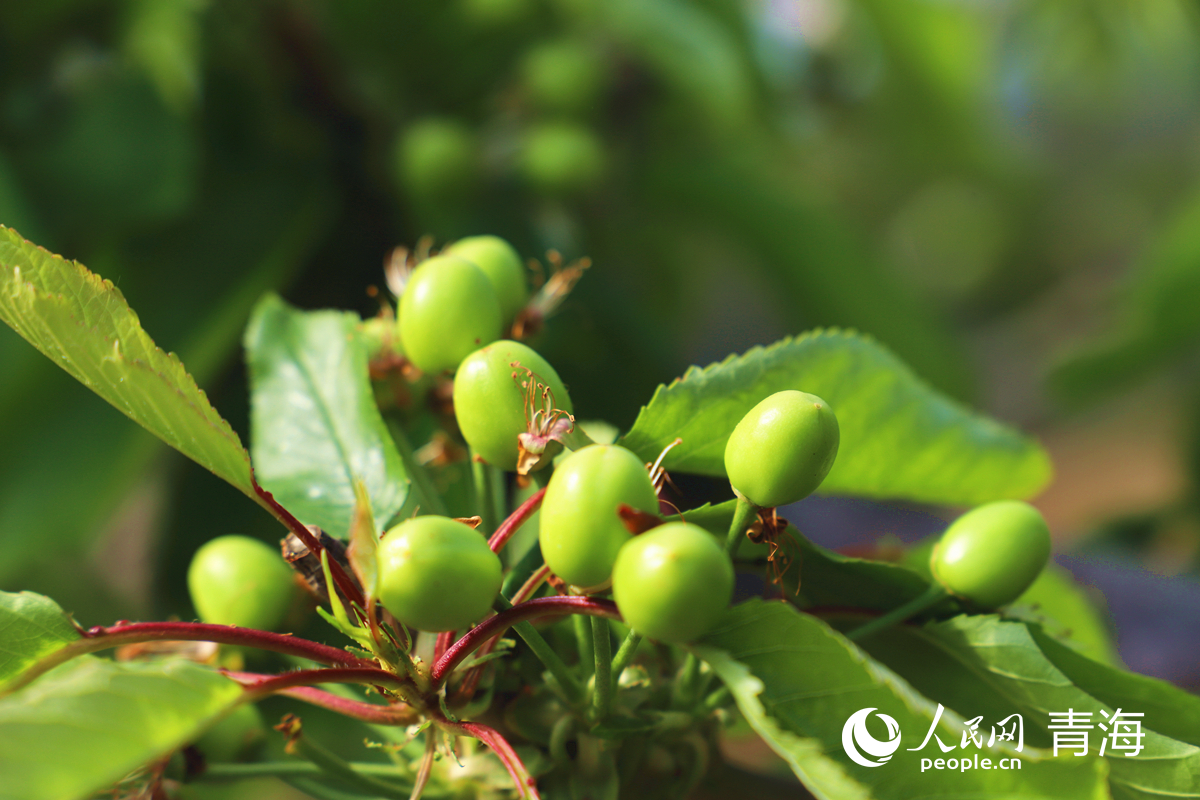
(531, 609)
(515, 521)
(530, 586)
(471, 681)
(525, 784)
(123, 633)
(399, 714)
(263, 685)
(349, 589)
(299, 685)
(444, 640)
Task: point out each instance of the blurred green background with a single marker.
(1005, 192)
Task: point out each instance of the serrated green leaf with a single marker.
(71, 461)
(315, 427)
(31, 626)
(90, 723)
(83, 324)
(713, 517)
(1169, 710)
(1064, 610)
(797, 682)
(899, 438)
(827, 578)
(986, 665)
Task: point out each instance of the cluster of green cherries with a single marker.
(671, 582)
(554, 148)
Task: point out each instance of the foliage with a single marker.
(922, 183)
(316, 426)
(953, 456)
(791, 674)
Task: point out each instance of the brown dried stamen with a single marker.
(769, 529)
(544, 422)
(550, 294)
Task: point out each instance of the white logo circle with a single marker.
(856, 740)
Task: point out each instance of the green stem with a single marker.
(570, 685)
(930, 597)
(427, 495)
(523, 571)
(698, 767)
(480, 479)
(499, 495)
(625, 654)
(583, 640)
(279, 769)
(560, 734)
(334, 765)
(394, 734)
(716, 699)
(743, 515)
(315, 789)
(602, 645)
(684, 690)
(702, 685)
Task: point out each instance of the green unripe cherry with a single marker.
(500, 262)
(237, 737)
(437, 574)
(673, 582)
(992, 554)
(580, 531)
(236, 580)
(564, 76)
(449, 309)
(781, 451)
(491, 407)
(437, 159)
(562, 158)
